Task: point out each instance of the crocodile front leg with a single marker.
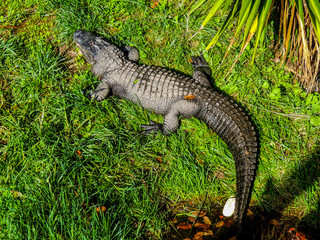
(202, 71)
(131, 53)
(101, 92)
(184, 108)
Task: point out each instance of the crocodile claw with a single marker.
(198, 61)
(96, 95)
(153, 127)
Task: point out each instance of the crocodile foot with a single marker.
(153, 127)
(200, 63)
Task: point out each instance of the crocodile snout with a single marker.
(77, 34)
(82, 37)
(86, 43)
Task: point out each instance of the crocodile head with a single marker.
(102, 55)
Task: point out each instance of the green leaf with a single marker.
(314, 19)
(275, 93)
(195, 7)
(315, 121)
(250, 20)
(299, 6)
(245, 6)
(316, 107)
(314, 6)
(213, 10)
(226, 6)
(265, 85)
(224, 26)
(264, 13)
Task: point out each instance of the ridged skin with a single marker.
(164, 92)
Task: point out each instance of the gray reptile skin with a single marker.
(164, 92)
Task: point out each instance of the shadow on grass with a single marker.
(297, 181)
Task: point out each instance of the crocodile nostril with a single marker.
(78, 33)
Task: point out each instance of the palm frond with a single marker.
(299, 32)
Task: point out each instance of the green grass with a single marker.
(62, 156)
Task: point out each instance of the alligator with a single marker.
(174, 95)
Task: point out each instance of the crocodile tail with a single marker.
(232, 124)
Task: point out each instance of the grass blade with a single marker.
(195, 7)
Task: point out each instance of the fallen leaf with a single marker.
(202, 214)
(221, 216)
(191, 219)
(184, 226)
(229, 223)
(138, 224)
(189, 97)
(159, 159)
(220, 224)
(233, 238)
(78, 152)
(198, 236)
(101, 209)
(154, 4)
(208, 233)
(196, 213)
(202, 225)
(291, 230)
(199, 161)
(250, 213)
(219, 175)
(173, 221)
(275, 223)
(301, 235)
(187, 239)
(84, 208)
(206, 220)
(16, 194)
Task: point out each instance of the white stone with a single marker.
(229, 207)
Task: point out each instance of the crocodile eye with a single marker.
(91, 44)
(93, 48)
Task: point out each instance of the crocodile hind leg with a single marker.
(202, 71)
(184, 108)
(131, 53)
(101, 92)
